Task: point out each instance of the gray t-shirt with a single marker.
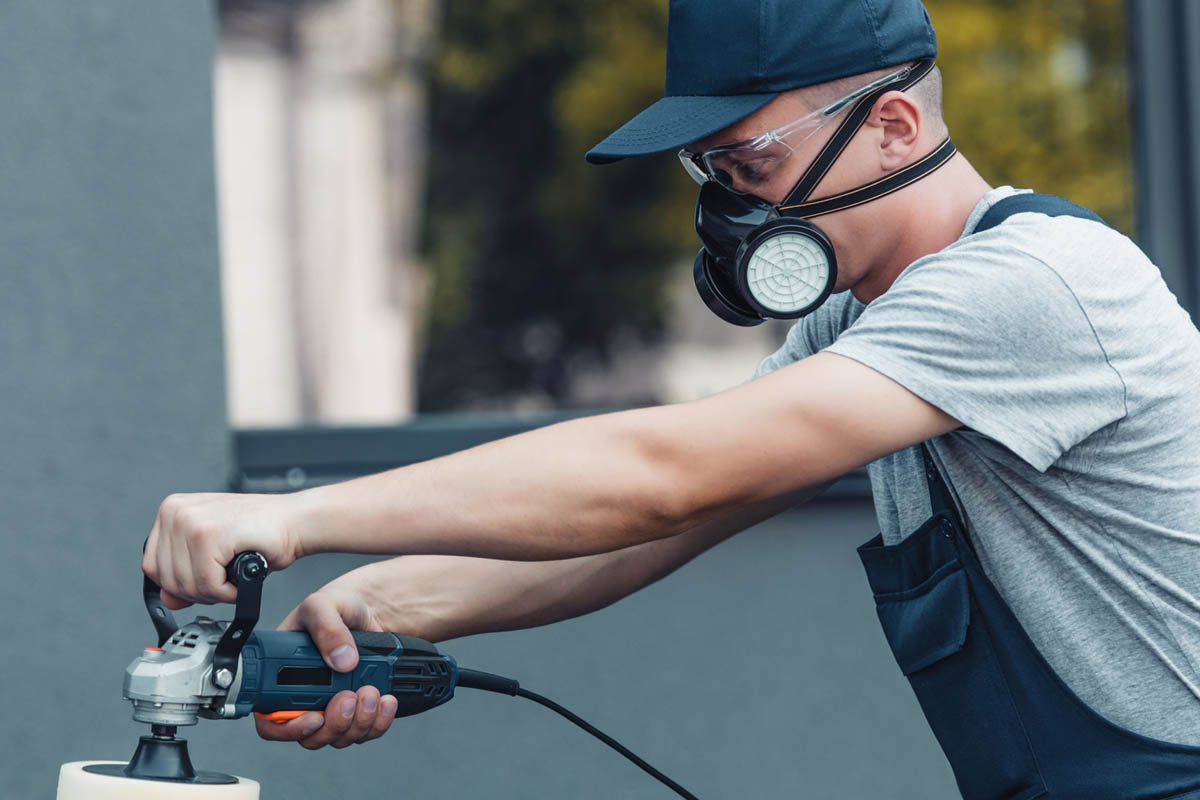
(1077, 377)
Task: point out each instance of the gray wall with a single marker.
(758, 671)
(110, 350)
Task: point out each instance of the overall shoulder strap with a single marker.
(1047, 204)
(940, 499)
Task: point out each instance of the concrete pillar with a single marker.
(321, 152)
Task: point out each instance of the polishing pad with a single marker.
(76, 784)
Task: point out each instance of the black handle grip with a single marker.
(421, 677)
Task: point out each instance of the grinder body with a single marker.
(279, 672)
(284, 671)
(227, 670)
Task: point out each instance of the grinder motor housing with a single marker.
(279, 671)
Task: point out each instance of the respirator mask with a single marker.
(762, 261)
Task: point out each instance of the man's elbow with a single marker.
(680, 487)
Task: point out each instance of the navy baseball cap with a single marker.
(728, 58)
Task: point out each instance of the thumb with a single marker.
(328, 618)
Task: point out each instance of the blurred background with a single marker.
(257, 245)
(408, 225)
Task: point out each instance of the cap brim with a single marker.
(673, 122)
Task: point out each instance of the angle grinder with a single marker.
(227, 670)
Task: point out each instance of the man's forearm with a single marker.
(441, 598)
(615, 575)
(581, 487)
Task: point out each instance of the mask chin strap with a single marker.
(876, 189)
(797, 204)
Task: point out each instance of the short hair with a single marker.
(927, 93)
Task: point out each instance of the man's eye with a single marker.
(755, 170)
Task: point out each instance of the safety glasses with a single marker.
(743, 166)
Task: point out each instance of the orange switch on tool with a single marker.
(280, 717)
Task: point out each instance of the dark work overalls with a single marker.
(1010, 727)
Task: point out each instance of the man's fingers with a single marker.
(212, 582)
(172, 602)
(291, 622)
(339, 716)
(185, 580)
(321, 617)
(166, 567)
(365, 713)
(350, 718)
(383, 720)
(149, 562)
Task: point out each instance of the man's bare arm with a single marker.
(444, 597)
(587, 486)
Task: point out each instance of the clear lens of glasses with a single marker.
(743, 166)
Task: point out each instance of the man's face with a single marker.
(858, 234)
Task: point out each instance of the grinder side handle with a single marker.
(247, 572)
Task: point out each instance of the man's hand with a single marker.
(196, 536)
(350, 718)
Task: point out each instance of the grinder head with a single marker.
(174, 685)
(194, 672)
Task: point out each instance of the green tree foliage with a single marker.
(537, 259)
(540, 262)
(1036, 96)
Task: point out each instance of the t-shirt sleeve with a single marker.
(996, 339)
(813, 333)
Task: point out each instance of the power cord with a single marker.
(474, 679)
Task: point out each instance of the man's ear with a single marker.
(899, 121)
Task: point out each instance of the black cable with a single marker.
(474, 679)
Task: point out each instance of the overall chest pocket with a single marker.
(941, 641)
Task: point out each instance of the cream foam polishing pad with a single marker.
(75, 784)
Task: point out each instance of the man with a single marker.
(1047, 611)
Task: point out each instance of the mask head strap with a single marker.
(845, 132)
